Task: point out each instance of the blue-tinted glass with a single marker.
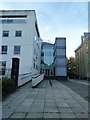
(48, 54)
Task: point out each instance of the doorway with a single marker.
(47, 72)
(15, 70)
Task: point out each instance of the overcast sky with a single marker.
(58, 19)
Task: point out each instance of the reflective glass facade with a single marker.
(47, 58)
(48, 53)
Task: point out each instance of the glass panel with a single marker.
(2, 67)
(18, 33)
(4, 50)
(5, 33)
(17, 49)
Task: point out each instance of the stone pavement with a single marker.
(85, 82)
(47, 100)
(82, 89)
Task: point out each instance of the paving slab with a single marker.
(81, 89)
(65, 110)
(50, 110)
(68, 115)
(82, 115)
(51, 115)
(34, 115)
(36, 109)
(45, 101)
(18, 115)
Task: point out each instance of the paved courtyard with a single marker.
(50, 99)
(81, 87)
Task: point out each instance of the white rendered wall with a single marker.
(60, 57)
(25, 55)
(37, 80)
(61, 61)
(26, 41)
(60, 51)
(61, 71)
(61, 42)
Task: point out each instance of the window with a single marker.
(2, 67)
(36, 27)
(18, 33)
(4, 50)
(17, 49)
(5, 33)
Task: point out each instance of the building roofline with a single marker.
(78, 48)
(47, 43)
(82, 43)
(14, 10)
(60, 38)
(10, 12)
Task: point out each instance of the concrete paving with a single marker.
(47, 100)
(85, 82)
(81, 89)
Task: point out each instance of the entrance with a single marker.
(47, 72)
(15, 70)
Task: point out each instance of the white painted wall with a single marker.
(27, 42)
(60, 51)
(60, 42)
(36, 80)
(61, 61)
(61, 71)
(60, 57)
(24, 78)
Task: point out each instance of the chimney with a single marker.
(82, 39)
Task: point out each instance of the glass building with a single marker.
(47, 59)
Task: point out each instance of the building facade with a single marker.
(82, 56)
(20, 48)
(20, 42)
(53, 59)
(47, 59)
(60, 61)
(89, 57)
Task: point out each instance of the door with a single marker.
(15, 70)
(47, 72)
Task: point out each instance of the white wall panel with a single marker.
(61, 61)
(60, 51)
(61, 71)
(61, 42)
(26, 41)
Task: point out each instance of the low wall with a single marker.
(36, 80)
(24, 78)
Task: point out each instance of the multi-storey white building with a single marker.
(60, 61)
(20, 40)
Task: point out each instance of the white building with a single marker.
(20, 38)
(60, 61)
